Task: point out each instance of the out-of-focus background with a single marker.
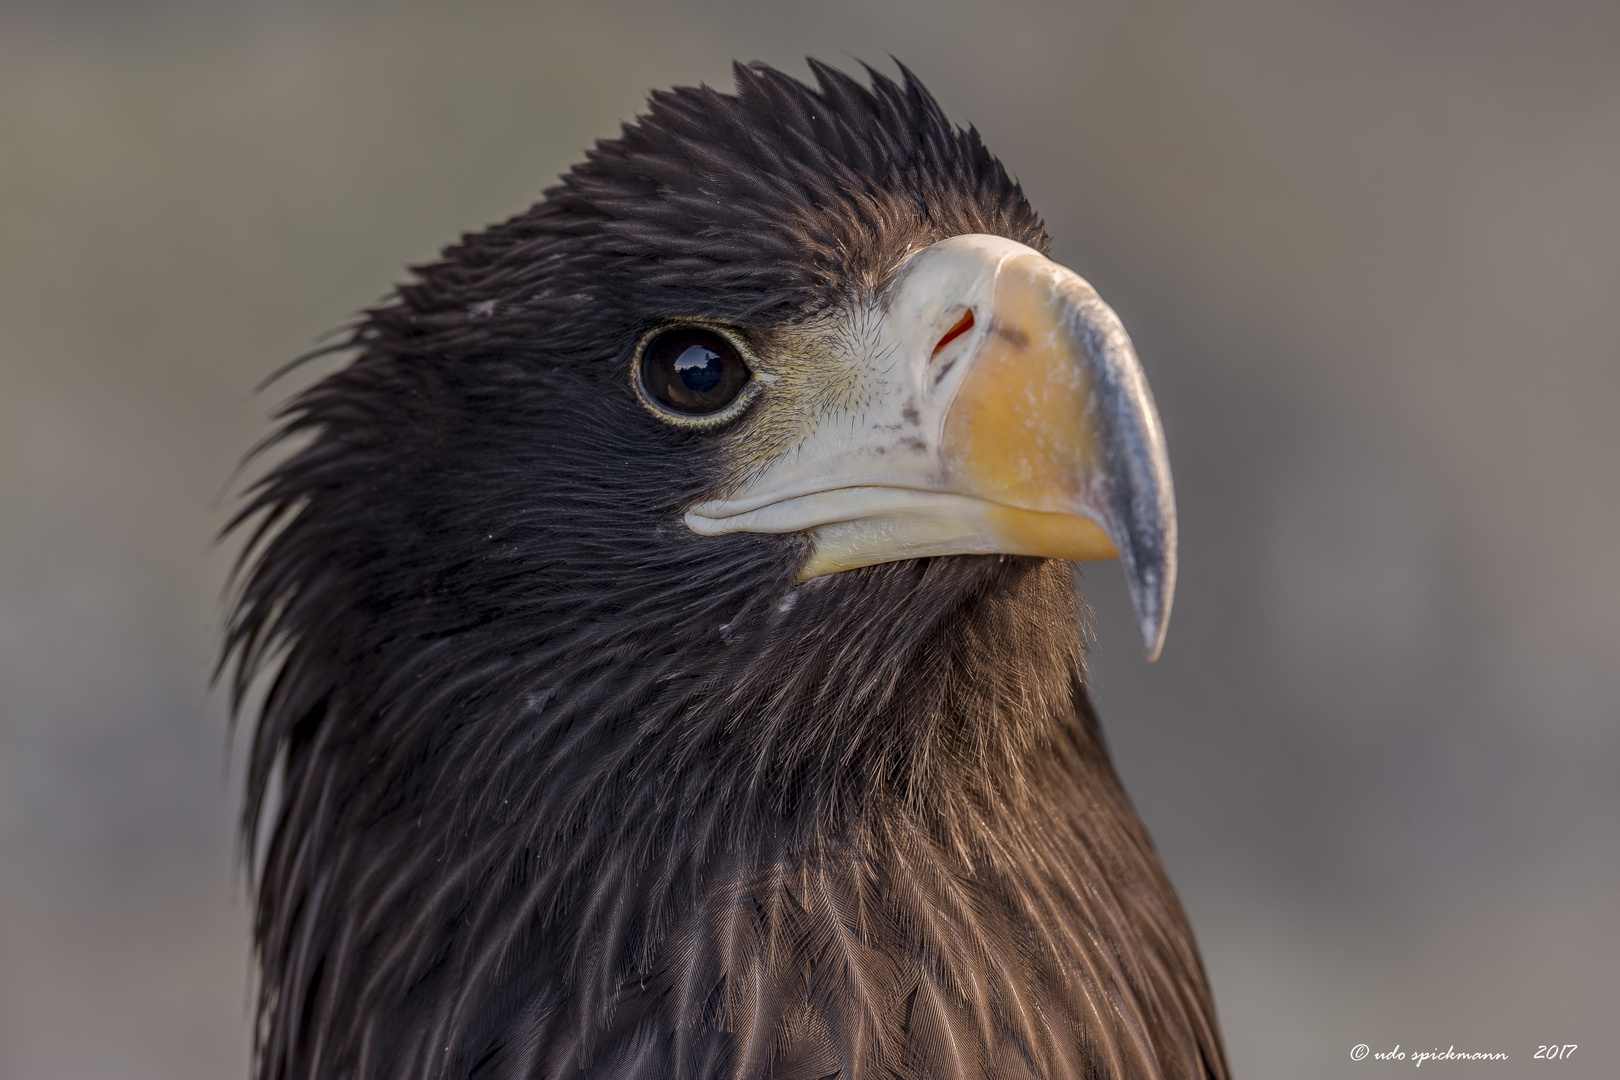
(1369, 252)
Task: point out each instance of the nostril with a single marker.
(963, 325)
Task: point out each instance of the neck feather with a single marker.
(527, 835)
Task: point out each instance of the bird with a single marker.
(662, 638)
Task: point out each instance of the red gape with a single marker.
(963, 325)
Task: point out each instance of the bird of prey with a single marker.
(672, 639)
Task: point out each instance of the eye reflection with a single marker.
(699, 369)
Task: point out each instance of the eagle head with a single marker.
(676, 669)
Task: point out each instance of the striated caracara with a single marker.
(673, 638)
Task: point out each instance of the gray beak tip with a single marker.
(1135, 497)
(1153, 637)
(1152, 589)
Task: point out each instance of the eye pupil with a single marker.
(700, 369)
(692, 371)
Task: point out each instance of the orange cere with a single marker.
(1018, 432)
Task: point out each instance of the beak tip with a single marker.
(1151, 594)
(1153, 624)
(1152, 640)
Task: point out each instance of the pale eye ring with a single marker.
(692, 374)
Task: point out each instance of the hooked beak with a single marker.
(999, 407)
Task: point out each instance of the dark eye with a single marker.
(692, 371)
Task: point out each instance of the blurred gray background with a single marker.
(1369, 252)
